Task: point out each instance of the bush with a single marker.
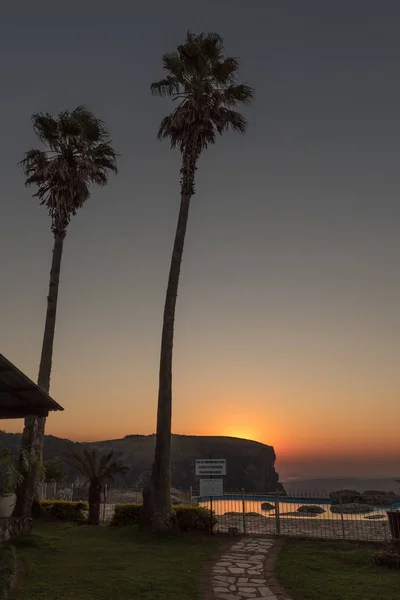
(64, 510)
(194, 518)
(190, 518)
(126, 514)
(387, 559)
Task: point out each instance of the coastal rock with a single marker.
(250, 464)
(352, 508)
(267, 506)
(371, 497)
(311, 509)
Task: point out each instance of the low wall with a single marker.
(14, 527)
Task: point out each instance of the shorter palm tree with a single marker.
(97, 469)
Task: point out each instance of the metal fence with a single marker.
(305, 514)
(110, 496)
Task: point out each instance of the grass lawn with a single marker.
(7, 566)
(319, 570)
(78, 562)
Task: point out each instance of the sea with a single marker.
(325, 485)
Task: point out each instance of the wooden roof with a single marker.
(20, 396)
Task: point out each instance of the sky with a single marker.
(287, 325)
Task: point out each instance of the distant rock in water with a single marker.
(267, 506)
(311, 509)
(345, 496)
(352, 508)
(371, 497)
(379, 498)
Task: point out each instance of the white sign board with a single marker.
(206, 467)
(211, 487)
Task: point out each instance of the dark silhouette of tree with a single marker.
(203, 83)
(77, 154)
(97, 469)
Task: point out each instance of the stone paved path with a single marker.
(239, 573)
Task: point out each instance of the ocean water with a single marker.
(287, 506)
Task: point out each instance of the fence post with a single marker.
(104, 503)
(277, 515)
(341, 516)
(72, 492)
(244, 512)
(191, 495)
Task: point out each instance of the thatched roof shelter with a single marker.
(20, 396)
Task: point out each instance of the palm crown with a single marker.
(203, 80)
(95, 466)
(78, 154)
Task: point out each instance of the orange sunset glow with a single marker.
(287, 325)
(351, 429)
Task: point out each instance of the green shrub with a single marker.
(126, 514)
(64, 510)
(387, 559)
(194, 518)
(190, 518)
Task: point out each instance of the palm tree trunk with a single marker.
(32, 437)
(94, 503)
(156, 512)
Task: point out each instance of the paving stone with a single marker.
(225, 579)
(242, 570)
(267, 593)
(236, 570)
(219, 570)
(254, 572)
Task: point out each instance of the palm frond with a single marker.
(165, 87)
(96, 466)
(173, 64)
(237, 94)
(204, 82)
(46, 128)
(78, 154)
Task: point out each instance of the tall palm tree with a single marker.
(203, 82)
(98, 470)
(77, 154)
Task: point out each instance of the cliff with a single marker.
(250, 465)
